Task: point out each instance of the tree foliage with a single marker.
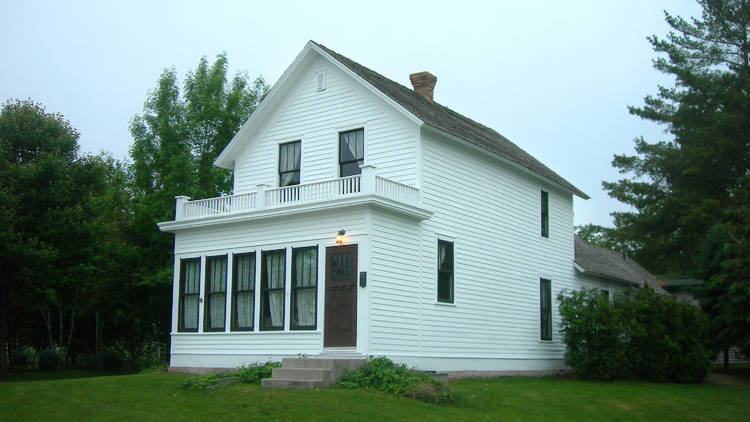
(47, 229)
(688, 193)
(639, 335)
(79, 245)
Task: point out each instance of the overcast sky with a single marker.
(554, 77)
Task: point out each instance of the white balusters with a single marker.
(266, 197)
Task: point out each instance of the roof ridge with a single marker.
(452, 122)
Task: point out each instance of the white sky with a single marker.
(554, 77)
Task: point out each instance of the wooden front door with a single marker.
(341, 297)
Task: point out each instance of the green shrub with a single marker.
(382, 374)
(249, 374)
(22, 358)
(112, 361)
(49, 360)
(639, 335)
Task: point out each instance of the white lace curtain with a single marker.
(275, 279)
(306, 271)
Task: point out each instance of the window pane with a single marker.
(244, 272)
(217, 306)
(272, 297)
(306, 267)
(289, 179)
(304, 281)
(289, 156)
(351, 145)
(445, 271)
(275, 308)
(191, 274)
(190, 312)
(304, 308)
(545, 305)
(350, 169)
(245, 305)
(545, 214)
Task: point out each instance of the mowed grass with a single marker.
(157, 397)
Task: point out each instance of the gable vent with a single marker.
(321, 81)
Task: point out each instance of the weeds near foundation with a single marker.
(248, 374)
(384, 375)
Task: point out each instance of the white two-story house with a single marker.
(367, 219)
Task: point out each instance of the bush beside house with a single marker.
(639, 335)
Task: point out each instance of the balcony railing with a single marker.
(271, 198)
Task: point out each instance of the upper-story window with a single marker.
(545, 214)
(445, 271)
(290, 155)
(351, 152)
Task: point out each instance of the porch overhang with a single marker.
(358, 201)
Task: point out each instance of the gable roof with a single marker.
(602, 262)
(449, 121)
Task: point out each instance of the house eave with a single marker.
(410, 211)
(605, 276)
(473, 146)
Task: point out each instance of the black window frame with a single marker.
(545, 312)
(207, 295)
(281, 173)
(355, 160)
(235, 325)
(441, 272)
(295, 289)
(264, 291)
(182, 295)
(545, 213)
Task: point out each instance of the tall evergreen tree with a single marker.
(688, 192)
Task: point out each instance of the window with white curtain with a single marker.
(290, 155)
(216, 293)
(304, 288)
(351, 152)
(243, 292)
(190, 270)
(445, 271)
(273, 266)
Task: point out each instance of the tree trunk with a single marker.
(60, 322)
(98, 344)
(4, 302)
(70, 335)
(726, 358)
(48, 323)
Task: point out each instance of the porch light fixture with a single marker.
(340, 236)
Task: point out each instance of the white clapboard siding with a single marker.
(271, 231)
(394, 290)
(316, 117)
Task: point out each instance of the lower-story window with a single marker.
(272, 290)
(243, 292)
(545, 308)
(304, 288)
(190, 270)
(216, 293)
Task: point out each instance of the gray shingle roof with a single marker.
(454, 123)
(603, 262)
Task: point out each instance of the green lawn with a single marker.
(158, 397)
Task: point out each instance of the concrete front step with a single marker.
(314, 374)
(310, 372)
(291, 384)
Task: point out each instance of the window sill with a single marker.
(450, 305)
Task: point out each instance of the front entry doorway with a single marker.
(341, 297)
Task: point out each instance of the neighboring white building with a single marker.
(454, 241)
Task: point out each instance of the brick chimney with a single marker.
(424, 84)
